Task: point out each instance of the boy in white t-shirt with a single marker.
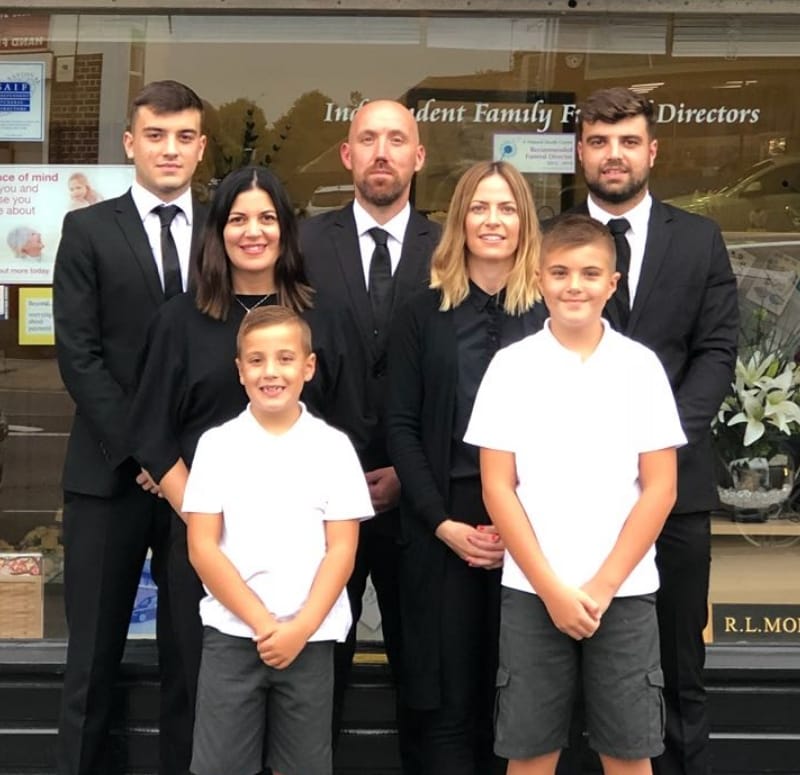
(273, 499)
(578, 428)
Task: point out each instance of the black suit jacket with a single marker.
(686, 310)
(106, 289)
(332, 259)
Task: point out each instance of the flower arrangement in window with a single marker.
(763, 408)
(756, 422)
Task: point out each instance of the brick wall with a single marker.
(75, 114)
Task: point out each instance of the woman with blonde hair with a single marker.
(81, 193)
(482, 296)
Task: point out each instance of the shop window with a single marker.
(280, 91)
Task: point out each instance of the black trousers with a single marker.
(184, 593)
(378, 556)
(457, 738)
(683, 556)
(105, 543)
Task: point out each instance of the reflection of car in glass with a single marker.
(765, 198)
(327, 198)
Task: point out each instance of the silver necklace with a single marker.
(257, 304)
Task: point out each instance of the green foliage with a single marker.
(239, 134)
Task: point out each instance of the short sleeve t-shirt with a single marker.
(275, 493)
(576, 428)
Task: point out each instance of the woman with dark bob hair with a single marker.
(188, 379)
(482, 296)
(282, 276)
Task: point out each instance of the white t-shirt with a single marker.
(276, 492)
(576, 429)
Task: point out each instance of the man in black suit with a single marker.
(676, 295)
(117, 262)
(368, 258)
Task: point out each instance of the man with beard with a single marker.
(676, 295)
(365, 260)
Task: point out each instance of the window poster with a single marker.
(33, 202)
(22, 101)
(767, 276)
(36, 316)
(529, 152)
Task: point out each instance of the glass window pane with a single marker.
(280, 91)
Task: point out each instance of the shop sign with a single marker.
(543, 118)
(21, 32)
(756, 622)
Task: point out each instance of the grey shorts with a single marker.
(249, 715)
(540, 669)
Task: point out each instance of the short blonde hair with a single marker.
(449, 261)
(577, 230)
(277, 315)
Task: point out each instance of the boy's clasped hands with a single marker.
(577, 611)
(279, 643)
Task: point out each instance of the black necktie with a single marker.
(380, 280)
(173, 285)
(618, 227)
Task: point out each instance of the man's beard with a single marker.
(617, 196)
(381, 197)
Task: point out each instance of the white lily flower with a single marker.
(765, 395)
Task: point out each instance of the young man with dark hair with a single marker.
(119, 260)
(677, 295)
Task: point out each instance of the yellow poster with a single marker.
(36, 316)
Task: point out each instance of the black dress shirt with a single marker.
(482, 328)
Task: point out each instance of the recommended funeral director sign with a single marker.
(22, 101)
(33, 202)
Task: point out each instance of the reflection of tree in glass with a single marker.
(239, 134)
(237, 137)
(303, 137)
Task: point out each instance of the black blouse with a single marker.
(423, 379)
(189, 382)
(482, 327)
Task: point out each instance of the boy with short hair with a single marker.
(578, 428)
(273, 499)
